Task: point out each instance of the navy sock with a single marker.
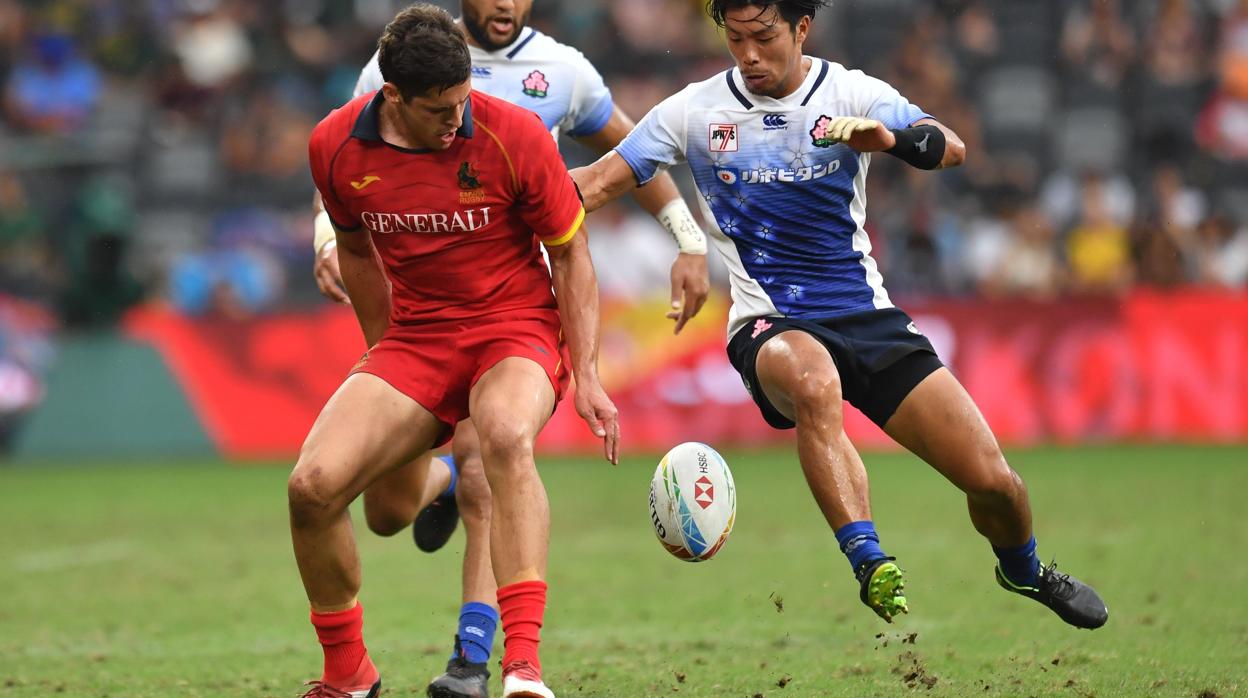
(450, 463)
(1020, 564)
(860, 543)
(477, 623)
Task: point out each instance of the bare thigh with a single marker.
(940, 423)
(511, 403)
(365, 430)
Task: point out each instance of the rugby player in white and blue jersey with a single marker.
(779, 147)
(526, 67)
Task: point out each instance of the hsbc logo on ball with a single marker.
(704, 492)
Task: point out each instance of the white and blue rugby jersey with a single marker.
(537, 73)
(787, 205)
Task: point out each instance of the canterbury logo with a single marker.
(774, 121)
(368, 179)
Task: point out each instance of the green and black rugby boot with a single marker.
(882, 587)
(1072, 600)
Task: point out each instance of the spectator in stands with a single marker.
(976, 39)
(1063, 194)
(52, 89)
(1097, 44)
(1223, 126)
(12, 32)
(211, 44)
(1159, 258)
(1098, 248)
(1233, 51)
(98, 284)
(1174, 53)
(1164, 238)
(1173, 79)
(1221, 253)
(267, 136)
(1176, 205)
(25, 267)
(1030, 266)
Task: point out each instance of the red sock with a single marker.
(342, 637)
(521, 606)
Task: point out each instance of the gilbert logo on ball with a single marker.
(693, 502)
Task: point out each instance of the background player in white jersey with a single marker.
(524, 66)
(779, 147)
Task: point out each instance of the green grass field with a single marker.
(178, 580)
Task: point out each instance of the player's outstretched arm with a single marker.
(576, 290)
(955, 149)
(604, 181)
(927, 144)
(660, 198)
(366, 283)
(325, 263)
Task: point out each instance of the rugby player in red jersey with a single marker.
(430, 496)
(440, 196)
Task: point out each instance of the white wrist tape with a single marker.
(323, 231)
(675, 216)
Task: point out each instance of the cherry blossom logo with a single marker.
(819, 134)
(535, 85)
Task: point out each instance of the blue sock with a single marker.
(860, 543)
(477, 622)
(1020, 564)
(450, 463)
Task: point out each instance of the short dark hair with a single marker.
(422, 50)
(790, 11)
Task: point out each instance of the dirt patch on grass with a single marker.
(912, 671)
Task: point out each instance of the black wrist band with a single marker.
(922, 146)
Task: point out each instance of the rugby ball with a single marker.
(693, 502)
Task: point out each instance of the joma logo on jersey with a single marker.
(723, 138)
(767, 175)
(368, 179)
(456, 222)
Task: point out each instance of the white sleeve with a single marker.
(370, 78)
(876, 99)
(591, 105)
(659, 141)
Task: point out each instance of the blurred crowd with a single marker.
(156, 149)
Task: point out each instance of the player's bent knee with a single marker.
(818, 392)
(993, 477)
(311, 499)
(504, 442)
(384, 520)
(472, 493)
(799, 367)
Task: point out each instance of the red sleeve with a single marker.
(548, 200)
(323, 148)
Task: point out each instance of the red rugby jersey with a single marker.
(457, 229)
